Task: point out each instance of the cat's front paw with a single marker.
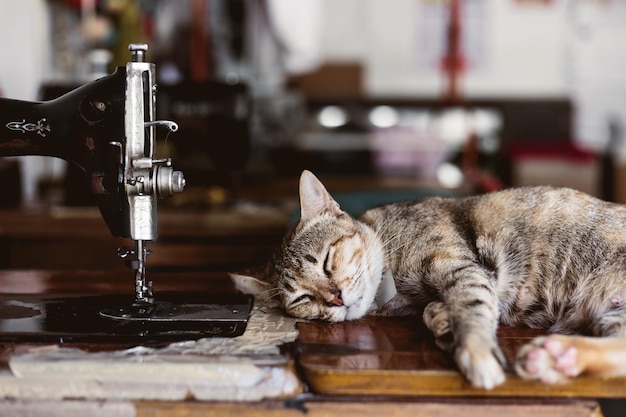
(481, 362)
(552, 359)
(400, 305)
(437, 319)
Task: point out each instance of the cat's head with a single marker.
(329, 265)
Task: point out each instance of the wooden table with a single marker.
(371, 367)
(398, 356)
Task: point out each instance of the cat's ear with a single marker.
(250, 285)
(314, 199)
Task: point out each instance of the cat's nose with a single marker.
(336, 299)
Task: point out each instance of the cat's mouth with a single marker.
(363, 293)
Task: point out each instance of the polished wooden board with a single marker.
(313, 407)
(398, 356)
(376, 407)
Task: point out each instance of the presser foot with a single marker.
(193, 315)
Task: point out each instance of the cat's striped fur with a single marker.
(543, 257)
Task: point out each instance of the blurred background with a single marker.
(470, 95)
(382, 99)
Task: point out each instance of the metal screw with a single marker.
(124, 252)
(138, 51)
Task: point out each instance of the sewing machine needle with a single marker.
(143, 289)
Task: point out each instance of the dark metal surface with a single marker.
(77, 127)
(78, 318)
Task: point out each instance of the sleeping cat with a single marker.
(542, 257)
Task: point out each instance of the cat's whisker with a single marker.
(272, 292)
(387, 224)
(388, 242)
(384, 229)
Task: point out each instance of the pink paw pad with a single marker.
(565, 358)
(548, 360)
(533, 359)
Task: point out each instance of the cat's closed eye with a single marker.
(304, 298)
(328, 271)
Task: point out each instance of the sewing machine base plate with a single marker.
(116, 318)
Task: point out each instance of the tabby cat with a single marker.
(543, 257)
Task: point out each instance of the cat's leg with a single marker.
(611, 323)
(557, 358)
(551, 359)
(472, 305)
(481, 361)
(437, 319)
(400, 305)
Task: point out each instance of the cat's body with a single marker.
(552, 258)
(539, 256)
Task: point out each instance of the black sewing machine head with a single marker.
(108, 129)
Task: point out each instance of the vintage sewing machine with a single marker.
(108, 129)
